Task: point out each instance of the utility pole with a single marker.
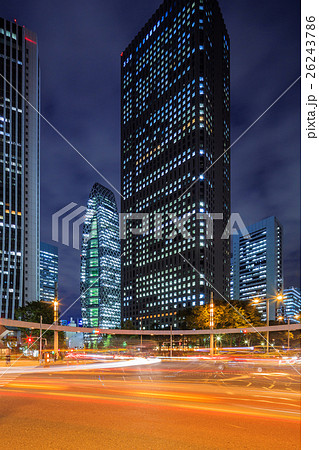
(211, 324)
(141, 336)
(267, 315)
(40, 352)
(288, 333)
(56, 317)
(171, 342)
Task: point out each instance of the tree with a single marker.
(32, 311)
(127, 325)
(226, 315)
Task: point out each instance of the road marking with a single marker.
(8, 378)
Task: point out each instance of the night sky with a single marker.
(80, 43)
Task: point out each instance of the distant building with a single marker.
(101, 261)
(48, 271)
(231, 290)
(19, 167)
(74, 340)
(257, 264)
(292, 302)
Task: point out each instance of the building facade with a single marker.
(292, 302)
(49, 267)
(257, 265)
(19, 167)
(76, 339)
(175, 123)
(101, 261)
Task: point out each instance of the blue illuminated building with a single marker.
(292, 302)
(49, 261)
(257, 264)
(19, 167)
(100, 261)
(175, 124)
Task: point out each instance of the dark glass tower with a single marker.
(100, 261)
(19, 167)
(175, 124)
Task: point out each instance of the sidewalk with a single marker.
(34, 363)
(20, 362)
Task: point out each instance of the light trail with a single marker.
(77, 368)
(241, 410)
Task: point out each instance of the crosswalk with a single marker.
(7, 377)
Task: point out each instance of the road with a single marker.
(168, 405)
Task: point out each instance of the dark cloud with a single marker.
(80, 44)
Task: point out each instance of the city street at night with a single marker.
(169, 404)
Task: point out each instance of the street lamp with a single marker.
(55, 321)
(218, 339)
(296, 316)
(279, 297)
(211, 324)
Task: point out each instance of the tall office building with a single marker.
(257, 264)
(175, 124)
(49, 260)
(100, 261)
(231, 290)
(19, 167)
(292, 302)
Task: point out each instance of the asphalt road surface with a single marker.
(168, 405)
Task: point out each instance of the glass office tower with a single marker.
(292, 302)
(100, 261)
(49, 261)
(19, 167)
(257, 264)
(175, 123)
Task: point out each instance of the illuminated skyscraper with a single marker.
(48, 271)
(292, 302)
(175, 125)
(257, 264)
(100, 261)
(19, 167)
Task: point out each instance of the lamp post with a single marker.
(218, 339)
(288, 320)
(55, 320)
(211, 324)
(40, 350)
